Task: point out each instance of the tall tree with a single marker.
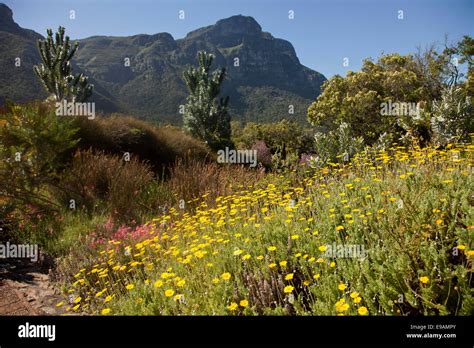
(56, 70)
(466, 51)
(205, 116)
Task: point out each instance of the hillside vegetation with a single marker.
(262, 249)
(369, 212)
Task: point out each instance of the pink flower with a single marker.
(123, 233)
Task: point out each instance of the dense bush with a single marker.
(34, 148)
(159, 146)
(284, 134)
(264, 155)
(411, 99)
(7, 226)
(357, 98)
(453, 117)
(334, 146)
(97, 182)
(192, 180)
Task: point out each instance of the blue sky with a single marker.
(323, 32)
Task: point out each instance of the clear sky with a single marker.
(323, 32)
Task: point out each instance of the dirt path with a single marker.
(25, 289)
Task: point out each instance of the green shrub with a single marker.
(336, 145)
(8, 226)
(453, 117)
(359, 98)
(277, 135)
(34, 148)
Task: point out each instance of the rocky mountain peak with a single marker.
(6, 13)
(7, 24)
(6, 18)
(238, 25)
(233, 26)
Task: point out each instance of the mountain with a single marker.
(17, 47)
(264, 75)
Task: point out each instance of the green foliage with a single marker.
(339, 144)
(465, 49)
(453, 117)
(283, 142)
(357, 98)
(33, 151)
(204, 117)
(285, 134)
(56, 70)
(423, 80)
(283, 161)
(462, 53)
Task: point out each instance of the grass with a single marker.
(263, 250)
(110, 194)
(158, 146)
(76, 226)
(58, 236)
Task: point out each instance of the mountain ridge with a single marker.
(264, 74)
